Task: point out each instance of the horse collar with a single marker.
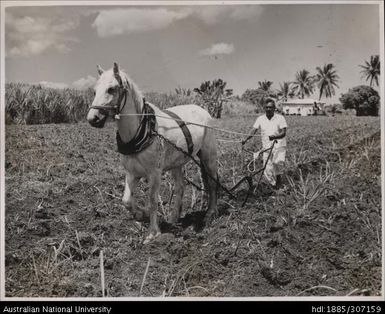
(144, 135)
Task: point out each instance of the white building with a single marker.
(301, 107)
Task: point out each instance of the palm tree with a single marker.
(303, 84)
(285, 91)
(265, 86)
(371, 69)
(326, 79)
(213, 94)
(264, 91)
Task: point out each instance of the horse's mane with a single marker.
(137, 95)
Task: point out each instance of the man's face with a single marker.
(269, 109)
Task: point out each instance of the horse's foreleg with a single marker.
(130, 184)
(177, 175)
(154, 183)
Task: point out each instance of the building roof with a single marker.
(305, 101)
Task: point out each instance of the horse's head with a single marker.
(109, 92)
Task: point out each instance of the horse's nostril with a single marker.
(98, 122)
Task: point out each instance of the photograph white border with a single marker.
(5, 4)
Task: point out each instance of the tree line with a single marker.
(364, 99)
(27, 104)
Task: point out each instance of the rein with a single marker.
(197, 124)
(146, 133)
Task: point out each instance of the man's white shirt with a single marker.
(269, 128)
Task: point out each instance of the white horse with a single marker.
(144, 153)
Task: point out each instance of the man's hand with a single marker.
(281, 134)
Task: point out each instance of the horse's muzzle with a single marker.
(98, 122)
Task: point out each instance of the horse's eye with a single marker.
(110, 90)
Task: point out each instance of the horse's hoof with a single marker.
(151, 237)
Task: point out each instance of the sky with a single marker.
(163, 47)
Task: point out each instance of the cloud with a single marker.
(84, 83)
(121, 21)
(211, 15)
(134, 20)
(53, 85)
(246, 12)
(80, 84)
(28, 36)
(218, 49)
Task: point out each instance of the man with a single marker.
(273, 127)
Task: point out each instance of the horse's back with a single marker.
(196, 119)
(192, 113)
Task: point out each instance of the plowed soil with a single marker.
(318, 236)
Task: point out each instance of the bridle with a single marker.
(144, 135)
(115, 109)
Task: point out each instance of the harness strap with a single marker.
(185, 130)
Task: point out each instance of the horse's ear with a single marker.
(100, 70)
(116, 68)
